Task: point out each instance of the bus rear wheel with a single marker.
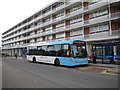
(34, 59)
(57, 62)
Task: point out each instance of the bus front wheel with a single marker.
(34, 59)
(57, 62)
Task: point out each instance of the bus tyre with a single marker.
(34, 59)
(57, 62)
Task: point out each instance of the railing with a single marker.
(86, 22)
(112, 1)
(98, 19)
(116, 14)
(86, 8)
(96, 5)
(86, 36)
(46, 14)
(115, 32)
(97, 36)
(47, 23)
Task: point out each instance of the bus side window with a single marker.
(43, 50)
(65, 49)
(50, 51)
(32, 50)
(39, 49)
(58, 50)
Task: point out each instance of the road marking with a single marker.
(105, 72)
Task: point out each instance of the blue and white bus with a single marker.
(68, 53)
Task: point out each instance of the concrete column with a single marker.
(110, 20)
(19, 52)
(13, 52)
(8, 52)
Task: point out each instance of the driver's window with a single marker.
(74, 51)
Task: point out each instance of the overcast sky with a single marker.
(14, 11)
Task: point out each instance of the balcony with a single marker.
(58, 8)
(115, 15)
(80, 37)
(58, 19)
(74, 13)
(46, 23)
(113, 1)
(16, 29)
(96, 5)
(115, 32)
(73, 26)
(23, 32)
(97, 36)
(15, 46)
(98, 19)
(35, 19)
(46, 14)
(102, 36)
(62, 6)
(36, 27)
(61, 29)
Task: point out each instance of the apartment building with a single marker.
(95, 21)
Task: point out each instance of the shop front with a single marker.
(108, 53)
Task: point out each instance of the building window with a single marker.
(39, 39)
(48, 37)
(61, 24)
(98, 13)
(76, 32)
(60, 35)
(39, 31)
(48, 28)
(76, 20)
(102, 12)
(100, 27)
(104, 27)
(60, 14)
(76, 7)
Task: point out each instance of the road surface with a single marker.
(24, 74)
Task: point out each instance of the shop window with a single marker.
(118, 50)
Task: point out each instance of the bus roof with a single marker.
(53, 42)
(63, 42)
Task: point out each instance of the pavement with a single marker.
(113, 69)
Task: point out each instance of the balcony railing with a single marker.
(96, 5)
(86, 8)
(86, 36)
(86, 22)
(115, 15)
(98, 19)
(115, 32)
(112, 1)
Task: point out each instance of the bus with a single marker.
(67, 53)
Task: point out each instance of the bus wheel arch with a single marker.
(57, 62)
(34, 59)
